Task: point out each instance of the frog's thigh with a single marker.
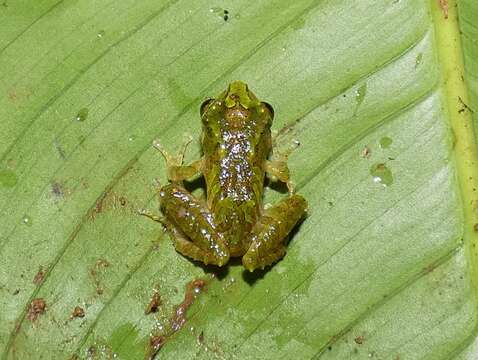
(269, 234)
(191, 226)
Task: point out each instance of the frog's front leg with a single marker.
(176, 171)
(192, 227)
(267, 239)
(276, 167)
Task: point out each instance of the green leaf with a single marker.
(383, 267)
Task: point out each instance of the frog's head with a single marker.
(236, 108)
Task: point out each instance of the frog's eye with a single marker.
(269, 107)
(204, 105)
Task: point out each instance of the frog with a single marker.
(237, 155)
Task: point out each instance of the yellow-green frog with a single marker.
(236, 142)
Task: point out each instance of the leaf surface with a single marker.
(384, 265)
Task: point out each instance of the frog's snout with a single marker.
(236, 88)
(238, 93)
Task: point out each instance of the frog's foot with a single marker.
(176, 171)
(277, 169)
(191, 226)
(191, 250)
(267, 244)
(152, 216)
(173, 160)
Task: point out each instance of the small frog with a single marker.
(231, 222)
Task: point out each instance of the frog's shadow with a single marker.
(200, 184)
(221, 273)
(196, 184)
(278, 186)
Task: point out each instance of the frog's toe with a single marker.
(253, 260)
(223, 260)
(218, 253)
(248, 263)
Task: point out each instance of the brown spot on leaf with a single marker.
(96, 271)
(39, 276)
(193, 289)
(359, 339)
(107, 202)
(122, 201)
(78, 312)
(155, 344)
(178, 319)
(153, 304)
(444, 7)
(37, 307)
(365, 152)
(16, 94)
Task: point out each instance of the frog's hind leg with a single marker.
(267, 239)
(191, 226)
(181, 243)
(276, 168)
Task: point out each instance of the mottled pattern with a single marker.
(236, 142)
(235, 168)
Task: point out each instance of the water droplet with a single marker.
(82, 114)
(100, 34)
(381, 174)
(8, 178)
(360, 94)
(27, 220)
(385, 142)
(418, 60)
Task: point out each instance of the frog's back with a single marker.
(235, 165)
(236, 142)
